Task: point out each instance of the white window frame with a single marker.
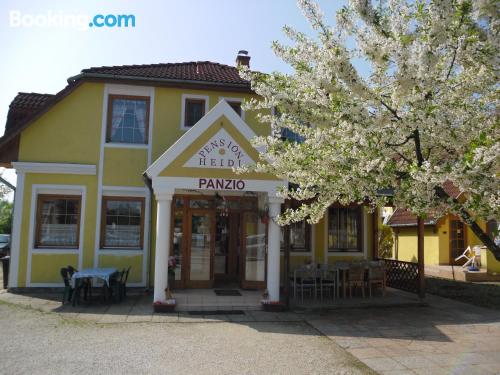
(183, 107)
(232, 99)
(36, 190)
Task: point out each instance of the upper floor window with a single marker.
(194, 110)
(236, 106)
(345, 229)
(128, 119)
(58, 221)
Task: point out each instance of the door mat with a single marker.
(227, 292)
(217, 312)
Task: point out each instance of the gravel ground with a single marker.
(34, 342)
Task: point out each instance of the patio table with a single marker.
(91, 273)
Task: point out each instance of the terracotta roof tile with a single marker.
(202, 71)
(452, 190)
(23, 106)
(404, 218)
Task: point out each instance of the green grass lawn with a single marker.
(479, 294)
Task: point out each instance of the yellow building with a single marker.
(129, 165)
(445, 239)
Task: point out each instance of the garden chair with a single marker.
(376, 276)
(68, 289)
(356, 278)
(123, 284)
(85, 284)
(327, 280)
(115, 285)
(468, 255)
(305, 280)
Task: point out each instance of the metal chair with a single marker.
(356, 278)
(305, 279)
(327, 280)
(376, 276)
(68, 289)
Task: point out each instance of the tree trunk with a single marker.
(421, 258)
(467, 219)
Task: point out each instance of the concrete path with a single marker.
(445, 337)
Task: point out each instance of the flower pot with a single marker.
(274, 306)
(164, 307)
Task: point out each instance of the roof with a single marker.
(24, 105)
(404, 218)
(200, 71)
(27, 107)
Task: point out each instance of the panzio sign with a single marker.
(221, 151)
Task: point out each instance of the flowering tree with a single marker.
(426, 112)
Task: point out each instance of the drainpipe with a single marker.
(148, 183)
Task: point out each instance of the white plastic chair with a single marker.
(469, 255)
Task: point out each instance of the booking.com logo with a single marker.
(61, 19)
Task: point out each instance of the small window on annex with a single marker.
(122, 223)
(300, 235)
(194, 110)
(128, 119)
(345, 229)
(58, 221)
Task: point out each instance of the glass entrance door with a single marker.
(200, 249)
(254, 251)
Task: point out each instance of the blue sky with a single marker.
(40, 59)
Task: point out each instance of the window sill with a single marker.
(297, 253)
(127, 145)
(346, 253)
(55, 250)
(122, 250)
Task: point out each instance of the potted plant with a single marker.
(165, 306)
(271, 306)
(172, 265)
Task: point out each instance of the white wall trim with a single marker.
(121, 252)
(126, 145)
(183, 107)
(220, 109)
(15, 248)
(37, 189)
(56, 168)
(233, 99)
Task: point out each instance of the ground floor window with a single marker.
(345, 229)
(122, 222)
(300, 233)
(58, 221)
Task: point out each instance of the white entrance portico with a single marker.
(238, 238)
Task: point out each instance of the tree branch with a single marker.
(402, 143)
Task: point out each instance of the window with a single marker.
(128, 119)
(194, 110)
(58, 221)
(300, 234)
(122, 222)
(493, 231)
(345, 229)
(236, 106)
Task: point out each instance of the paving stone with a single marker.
(165, 318)
(384, 364)
(364, 353)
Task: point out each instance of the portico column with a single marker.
(163, 214)
(273, 249)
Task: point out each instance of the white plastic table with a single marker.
(90, 273)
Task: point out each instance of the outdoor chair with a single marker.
(356, 278)
(68, 289)
(327, 280)
(376, 276)
(123, 284)
(468, 255)
(80, 284)
(115, 285)
(305, 280)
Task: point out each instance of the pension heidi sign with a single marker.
(219, 152)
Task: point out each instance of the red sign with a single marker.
(221, 184)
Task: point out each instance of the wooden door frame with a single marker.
(200, 283)
(450, 247)
(251, 284)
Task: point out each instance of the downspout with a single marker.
(148, 183)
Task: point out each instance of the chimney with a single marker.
(242, 58)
